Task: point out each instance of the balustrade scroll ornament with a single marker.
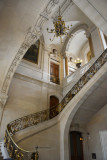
(14, 151)
(19, 154)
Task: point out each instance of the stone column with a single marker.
(91, 45)
(88, 35)
(66, 66)
(95, 42)
(98, 48)
(103, 39)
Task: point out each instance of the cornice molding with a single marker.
(38, 82)
(63, 7)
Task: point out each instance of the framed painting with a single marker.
(32, 53)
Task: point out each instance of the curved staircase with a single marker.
(18, 153)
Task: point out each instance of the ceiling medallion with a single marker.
(59, 28)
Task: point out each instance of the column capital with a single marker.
(3, 99)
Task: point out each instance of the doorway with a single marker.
(54, 73)
(76, 146)
(53, 102)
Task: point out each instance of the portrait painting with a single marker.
(32, 53)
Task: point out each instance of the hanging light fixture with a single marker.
(59, 28)
(78, 62)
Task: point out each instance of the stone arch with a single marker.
(74, 31)
(72, 108)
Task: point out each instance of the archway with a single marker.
(76, 146)
(76, 48)
(78, 102)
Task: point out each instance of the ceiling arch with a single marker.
(75, 44)
(74, 31)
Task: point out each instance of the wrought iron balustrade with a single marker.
(16, 152)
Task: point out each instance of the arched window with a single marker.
(32, 53)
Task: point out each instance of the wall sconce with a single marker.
(81, 139)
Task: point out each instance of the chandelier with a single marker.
(59, 28)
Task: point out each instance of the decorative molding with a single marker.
(3, 99)
(41, 82)
(63, 7)
(33, 34)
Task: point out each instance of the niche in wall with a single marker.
(32, 53)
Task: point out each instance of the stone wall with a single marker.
(96, 125)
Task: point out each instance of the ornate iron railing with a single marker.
(80, 84)
(16, 152)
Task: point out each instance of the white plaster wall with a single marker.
(97, 42)
(96, 12)
(27, 96)
(46, 138)
(103, 136)
(97, 124)
(15, 19)
(45, 134)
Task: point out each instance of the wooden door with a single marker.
(53, 101)
(76, 146)
(54, 73)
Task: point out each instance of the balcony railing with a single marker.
(16, 152)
